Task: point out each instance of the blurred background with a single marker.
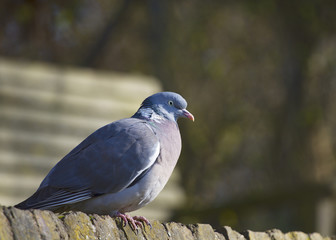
(259, 76)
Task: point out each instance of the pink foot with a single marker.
(142, 219)
(134, 222)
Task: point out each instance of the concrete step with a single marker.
(34, 122)
(65, 103)
(128, 88)
(28, 164)
(18, 185)
(38, 144)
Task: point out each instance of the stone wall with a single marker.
(37, 224)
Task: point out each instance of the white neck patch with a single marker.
(157, 118)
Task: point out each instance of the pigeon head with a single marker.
(167, 105)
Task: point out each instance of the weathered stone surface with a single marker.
(231, 234)
(158, 231)
(37, 224)
(204, 231)
(276, 234)
(297, 236)
(257, 235)
(79, 226)
(50, 226)
(106, 228)
(178, 231)
(23, 224)
(317, 236)
(5, 228)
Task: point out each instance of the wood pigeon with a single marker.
(120, 167)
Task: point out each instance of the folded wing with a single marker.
(109, 160)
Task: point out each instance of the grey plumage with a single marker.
(121, 166)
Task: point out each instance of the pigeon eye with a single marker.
(170, 103)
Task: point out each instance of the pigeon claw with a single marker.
(142, 220)
(135, 222)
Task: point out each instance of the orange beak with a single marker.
(187, 114)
